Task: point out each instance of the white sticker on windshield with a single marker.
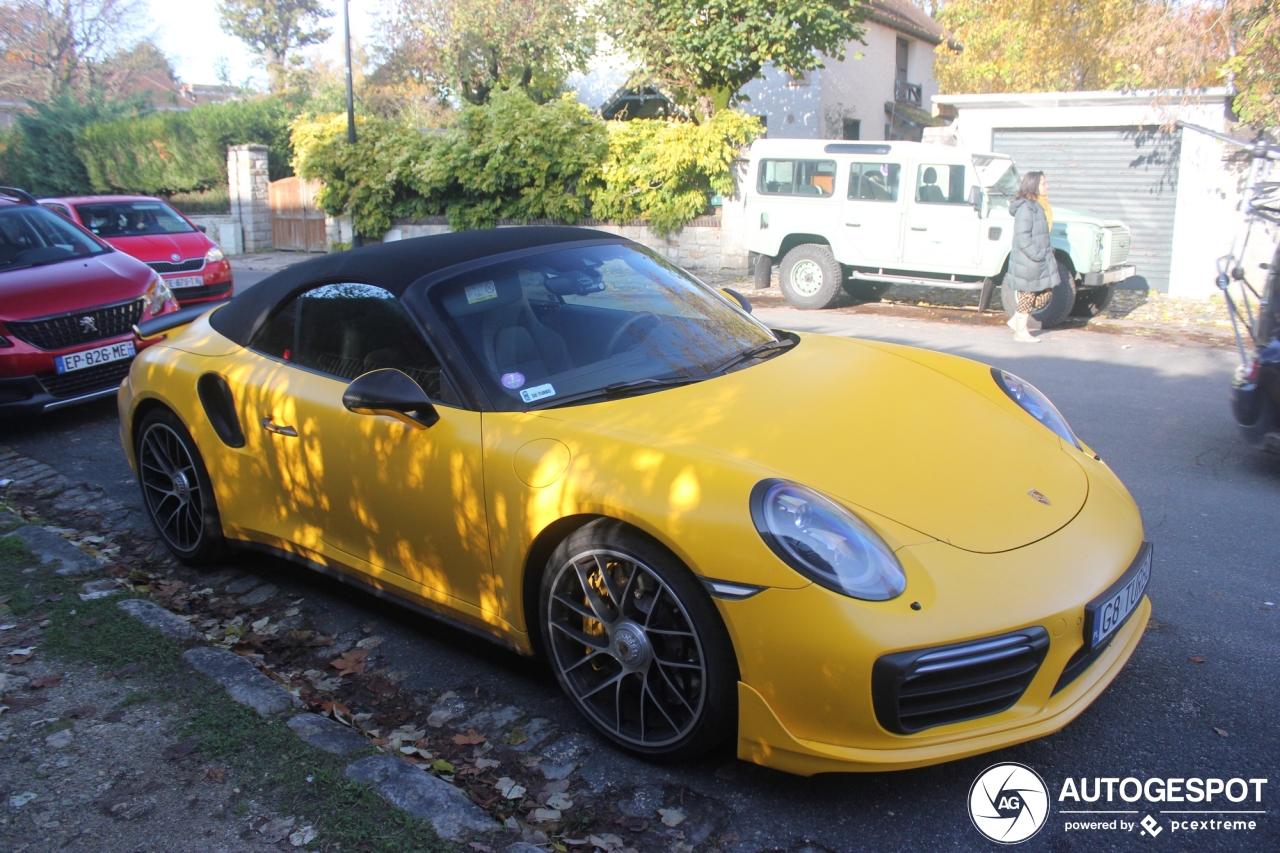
(480, 292)
(537, 392)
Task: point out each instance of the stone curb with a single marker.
(329, 735)
(242, 681)
(422, 795)
(51, 547)
(154, 616)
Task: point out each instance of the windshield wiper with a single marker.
(754, 352)
(618, 389)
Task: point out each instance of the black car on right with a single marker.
(1255, 388)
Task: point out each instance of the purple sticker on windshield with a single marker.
(512, 380)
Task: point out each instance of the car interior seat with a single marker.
(516, 342)
(930, 192)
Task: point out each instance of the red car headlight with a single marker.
(159, 298)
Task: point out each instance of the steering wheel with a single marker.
(627, 325)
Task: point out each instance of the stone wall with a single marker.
(249, 184)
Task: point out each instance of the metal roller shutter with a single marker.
(1129, 173)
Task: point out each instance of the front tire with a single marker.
(1059, 306)
(177, 491)
(637, 644)
(810, 276)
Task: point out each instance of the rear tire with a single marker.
(1059, 306)
(637, 643)
(810, 277)
(762, 268)
(177, 491)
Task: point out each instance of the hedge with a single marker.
(170, 152)
(514, 159)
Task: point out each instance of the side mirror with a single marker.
(737, 297)
(975, 198)
(390, 392)
(203, 229)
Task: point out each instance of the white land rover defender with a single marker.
(867, 215)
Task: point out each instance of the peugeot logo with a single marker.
(1038, 496)
(175, 256)
(88, 324)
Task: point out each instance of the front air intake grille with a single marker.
(77, 383)
(917, 690)
(78, 327)
(1119, 247)
(181, 266)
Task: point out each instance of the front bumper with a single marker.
(1111, 276)
(23, 396)
(209, 293)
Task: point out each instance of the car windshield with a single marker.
(590, 323)
(1000, 177)
(131, 218)
(31, 236)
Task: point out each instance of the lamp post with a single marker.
(351, 102)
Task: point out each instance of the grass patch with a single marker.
(273, 764)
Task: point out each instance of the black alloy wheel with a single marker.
(637, 643)
(177, 491)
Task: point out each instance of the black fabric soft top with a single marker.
(392, 266)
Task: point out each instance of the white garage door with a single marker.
(1129, 174)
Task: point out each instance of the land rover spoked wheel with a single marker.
(637, 644)
(810, 276)
(177, 491)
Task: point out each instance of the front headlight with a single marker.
(159, 297)
(1035, 404)
(213, 255)
(825, 542)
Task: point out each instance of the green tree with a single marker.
(41, 156)
(275, 28)
(705, 51)
(1255, 69)
(468, 49)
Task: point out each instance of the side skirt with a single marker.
(272, 551)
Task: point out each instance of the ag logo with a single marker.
(1008, 803)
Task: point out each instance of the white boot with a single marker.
(1020, 332)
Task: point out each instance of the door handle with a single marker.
(277, 428)
(854, 224)
(918, 228)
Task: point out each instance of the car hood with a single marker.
(71, 285)
(162, 247)
(878, 429)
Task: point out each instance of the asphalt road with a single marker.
(1158, 414)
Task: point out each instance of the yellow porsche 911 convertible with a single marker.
(555, 439)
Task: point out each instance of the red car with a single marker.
(68, 304)
(162, 238)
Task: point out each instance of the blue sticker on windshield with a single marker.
(537, 392)
(512, 380)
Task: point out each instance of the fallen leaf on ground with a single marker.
(302, 837)
(559, 802)
(606, 842)
(216, 774)
(48, 681)
(671, 817)
(21, 655)
(1197, 660)
(517, 736)
(274, 831)
(509, 788)
(181, 748)
(369, 643)
(1221, 731)
(543, 815)
(471, 738)
(442, 766)
(487, 763)
(350, 663)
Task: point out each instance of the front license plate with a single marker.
(1107, 612)
(185, 281)
(91, 357)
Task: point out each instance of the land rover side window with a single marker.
(346, 330)
(941, 183)
(874, 181)
(798, 177)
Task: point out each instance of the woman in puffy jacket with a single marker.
(1033, 269)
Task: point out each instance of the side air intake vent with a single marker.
(215, 395)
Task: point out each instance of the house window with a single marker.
(874, 181)
(902, 60)
(852, 129)
(798, 177)
(941, 183)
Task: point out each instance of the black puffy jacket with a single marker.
(1032, 265)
